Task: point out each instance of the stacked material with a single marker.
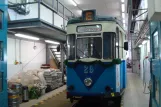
(30, 78)
(53, 78)
(59, 79)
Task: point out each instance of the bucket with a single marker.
(13, 99)
(17, 88)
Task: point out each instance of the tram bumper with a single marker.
(109, 95)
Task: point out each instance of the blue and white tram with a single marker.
(96, 63)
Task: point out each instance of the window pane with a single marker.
(71, 46)
(109, 45)
(1, 17)
(156, 48)
(89, 47)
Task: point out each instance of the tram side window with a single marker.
(1, 16)
(117, 43)
(121, 45)
(108, 45)
(71, 46)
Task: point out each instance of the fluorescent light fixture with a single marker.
(52, 42)
(156, 33)
(122, 1)
(124, 25)
(123, 15)
(123, 21)
(140, 46)
(144, 42)
(68, 46)
(26, 36)
(117, 44)
(73, 2)
(123, 7)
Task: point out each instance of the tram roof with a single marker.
(98, 18)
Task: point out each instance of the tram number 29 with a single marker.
(88, 69)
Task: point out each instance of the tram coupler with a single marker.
(112, 98)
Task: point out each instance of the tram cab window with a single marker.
(71, 46)
(1, 17)
(121, 45)
(109, 45)
(89, 47)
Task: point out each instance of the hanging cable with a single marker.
(33, 58)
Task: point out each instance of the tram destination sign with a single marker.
(89, 28)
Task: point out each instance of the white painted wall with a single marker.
(24, 52)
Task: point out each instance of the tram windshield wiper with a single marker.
(85, 56)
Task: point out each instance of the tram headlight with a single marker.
(88, 82)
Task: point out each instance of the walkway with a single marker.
(134, 96)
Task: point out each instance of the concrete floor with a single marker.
(133, 96)
(58, 101)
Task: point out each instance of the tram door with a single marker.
(155, 33)
(3, 51)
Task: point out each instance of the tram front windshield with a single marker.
(89, 47)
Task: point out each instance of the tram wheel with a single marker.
(117, 102)
(71, 100)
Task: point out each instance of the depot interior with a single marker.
(37, 30)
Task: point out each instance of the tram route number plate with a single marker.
(88, 69)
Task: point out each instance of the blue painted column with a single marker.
(3, 54)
